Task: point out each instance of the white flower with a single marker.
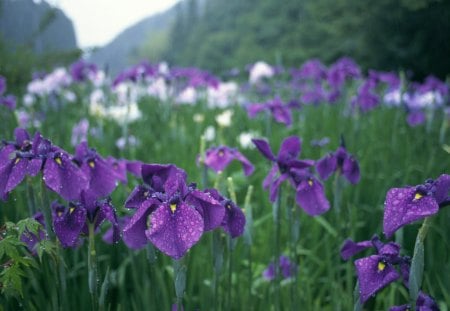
(393, 98)
(245, 139)
(224, 119)
(223, 95)
(28, 100)
(187, 96)
(210, 133)
(259, 71)
(124, 114)
(158, 88)
(198, 118)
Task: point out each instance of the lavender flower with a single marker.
(281, 112)
(219, 158)
(376, 271)
(282, 163)
(412, 203)
(287, 268)
(340, 161)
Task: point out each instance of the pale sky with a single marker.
(97, 22)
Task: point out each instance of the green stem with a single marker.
(180, 281)
(92, 267)
(276, 282)
(46, 211)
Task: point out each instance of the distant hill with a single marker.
(146, 39)
(35, 25)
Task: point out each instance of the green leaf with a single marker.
(416, 272)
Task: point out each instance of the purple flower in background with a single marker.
(100, 175)
(80, 132)
(320, 142)
(415, 118)
(287, 269)
(281, 112)
(72, 221)
(366, 98)
(31, 239)
(219, 158)
(376, 271)
(311, 70)
(82, 70)
(412, 203)
(343, 69)
(9, 101)
(2, 85)
(339, 161)
(233, 221)
(424, 302)
(282, 163)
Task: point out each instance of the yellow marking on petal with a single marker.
(71, 210)
(91, 163)
(417, 196)
(58, 161)
(16, 161)
(381, 266)
(173, 207)
(221, 153)
(60, 213)
(228, 206)
(310, 182)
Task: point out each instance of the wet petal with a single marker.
(211, 210)
(134, 231)
(373, 275)
(311, 197)
(68, 224)
(18, 169)
(442, 185)
(156, 175)
(139, 195)
(404, 206)
(174, 233)
(234, 220)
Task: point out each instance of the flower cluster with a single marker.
(173, 215)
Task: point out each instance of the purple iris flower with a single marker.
(412, 203)
(282, 163)
(101, 176)
(80, 132)
(343, 69)
(311, 70)
(9, 101)
(233, 221)
(119, 167)
(31, 239)
(376, 271)
(72, 221)
(366, 98)
(170, 214)
(310, 193)
(287, 269)
(339, 161)
(281, 112)
(424, 302)
(219, 158)
(415, 118)
(28, 157)
(82, 70)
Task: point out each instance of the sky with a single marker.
(97, 22)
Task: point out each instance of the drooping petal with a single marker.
(264, 147)
(275, 186)
(138, 196)
(107, 212)
(102, 178)
(311, 197)
(68, 223)
(326, 166)
(234, 220)
(18, 169)
(350, 248)
(246, 164)
(442, 184)
(426, 303)
(63, 177)
(254, 109)
(350, 169)
(300, 164)
(21, 136)
(404, 206)
(211, 210)
(269, 179)
(374, 275)
(219, 158)
(134, 232)
(282, 114)
(175, 232)
(134, 167)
